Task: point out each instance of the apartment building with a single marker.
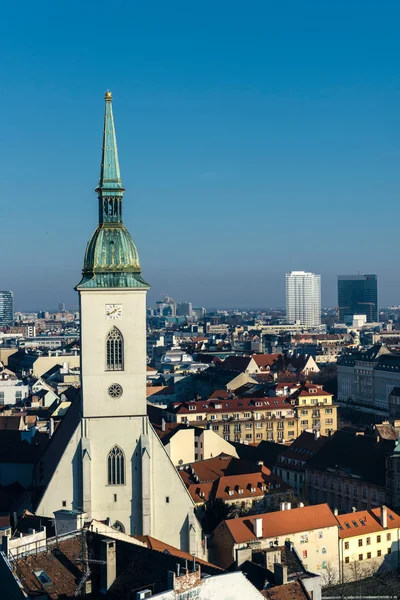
(368, 542)
(313, 531)
(350, 471)
(252, 420)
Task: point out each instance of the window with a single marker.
(304, 553)
(379, 553)
(304, 422)
(368, 541)
(347, 560)
(258, 425)
(360, 557)
(258, 436)
(369, 554)
(290, 423)
(378, 539)
(1, 397)
(246, 415)
(248, 436)
(215, 427)
(167, 499)
(329, 422)
(389, 551)
(115, 497)
(249, 426)
(291, 433)
(64, 503)
(360, 543)
(115, 350)
(18, 395)
(199, 418)
(116, 466)
(346, 545)
(388, 537)
(328, 411)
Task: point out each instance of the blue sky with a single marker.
(254, 138)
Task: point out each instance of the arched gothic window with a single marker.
(115, 350)
(116, 466)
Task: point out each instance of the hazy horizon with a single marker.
(253, 140)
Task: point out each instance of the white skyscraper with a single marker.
(303, 298)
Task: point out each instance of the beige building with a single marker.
(313, 531)
(368, 542)
(278, 419)
(189, 444)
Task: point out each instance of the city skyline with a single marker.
(247, 138)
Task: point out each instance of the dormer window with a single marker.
(217, 405)
(192, 407)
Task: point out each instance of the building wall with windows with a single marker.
(303, 298)
(368, 542)
(274, 419)
(342, 491)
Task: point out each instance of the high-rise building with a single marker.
(109, 462)
(303, 298)
(184, 309)
(357, 295)
(61, 307)
(6, 308)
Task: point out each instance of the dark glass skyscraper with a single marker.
(357, 295)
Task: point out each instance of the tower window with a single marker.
(115, 350)
(116, 466)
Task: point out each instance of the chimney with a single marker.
(283, 505)
(51, 427)
(353, 508)
(301, 504)
(108, 570)
(288, 505)
(163, 424)
(317, 433)
(258, 527)
(384, 516)
(280, 574)
(336, 512)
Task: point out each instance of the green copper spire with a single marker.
(111, 259)
(110, 176)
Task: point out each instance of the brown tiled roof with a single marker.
(282, 522)
(160, 546)
(290, 591)
(266, 360)
(11, 422)
(361, 522)
(234, 404)
(211, 469)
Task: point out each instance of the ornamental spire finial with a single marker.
(110, 176)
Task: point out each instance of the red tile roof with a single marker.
(281, 523)
(361, 522)
(155, 544)
(290, 591)
(234, 404)
(266, 360)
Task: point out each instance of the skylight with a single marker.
(355, 523)
(347, 525)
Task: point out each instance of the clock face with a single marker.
(113, 311)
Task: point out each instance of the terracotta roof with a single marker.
(211, 469)
(220, 394)
(282, 522)
(361, 522)
(290, 591)
(160, 546)
(234, 404)
(266, 360)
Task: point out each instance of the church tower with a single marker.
(105, 458)
(112, 296)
